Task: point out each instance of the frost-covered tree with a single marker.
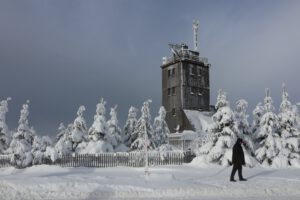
(5, 136)
(39, 147)
(23, 138)
(221, 100)
(99, 129)
(64, 142)
(161, 130)
(288, 144)
(223, 134)
(129, 127)
(257, 115)
(242, 124)
(113, 135)
(61, 131)
(143, 130)
(79, 132)
(101, 136)
(241, 118)
(266, 135)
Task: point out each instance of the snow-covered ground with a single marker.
(180, 182)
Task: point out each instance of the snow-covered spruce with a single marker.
(244, 131)
(113, 135)
(5, 135)
(266, 135)
(38, 150)
(98, 129)
(79, 132)
(130, 126)
(288, 144)
(241, 118)
(97, 134)
(102, 134)
(257, 114)
(143, 130)
(63, 145)
(21, 144)
(223, 134)
(160, 127)
(242, 124)
(61, 131)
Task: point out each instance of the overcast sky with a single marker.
(63, 54)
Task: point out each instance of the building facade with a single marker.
(185, 86)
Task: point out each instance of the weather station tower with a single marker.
(185, 85)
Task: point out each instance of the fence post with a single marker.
(66, 163)
(102, 159)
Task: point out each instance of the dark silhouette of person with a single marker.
(238, 160)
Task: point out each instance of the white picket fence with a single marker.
(5, 161)
(132, 159)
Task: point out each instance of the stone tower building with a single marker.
(185, 86)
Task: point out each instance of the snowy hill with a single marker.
(182, 182)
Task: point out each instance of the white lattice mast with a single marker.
(195, 28)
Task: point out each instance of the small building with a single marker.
(191, 140)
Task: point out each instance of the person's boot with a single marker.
(243, 179)
(232, 180)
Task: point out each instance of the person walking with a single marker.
(238, 160)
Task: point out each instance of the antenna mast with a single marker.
(195, 28)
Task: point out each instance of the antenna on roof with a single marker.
(195, 28)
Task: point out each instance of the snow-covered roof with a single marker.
(185, 135)
(199, 120)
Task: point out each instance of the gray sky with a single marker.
(62, 54)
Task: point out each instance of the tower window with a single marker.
(199, 72)
(201, 101)
(203, 81)
(173, 91)
(173, 72)
(173, 111)
(169, 73)
(169, 91)
(193, 90)
(191, 70)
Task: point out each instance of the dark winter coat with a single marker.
(238, 154)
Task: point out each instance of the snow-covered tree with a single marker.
(61, 131)
(113, 135)
(143, 130)
(79, 132)
(288, 145)
(241, 118)
(39, 147)
(161, 130)
(5, 136)
(129, 127)
(221, 100)
(101, 136)
(257, 115)
(64, 142)
(94, 147)
(242, 124)
(223, 134)
(41, 143)
(99, 129)
(23, 138)
(266, 135)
